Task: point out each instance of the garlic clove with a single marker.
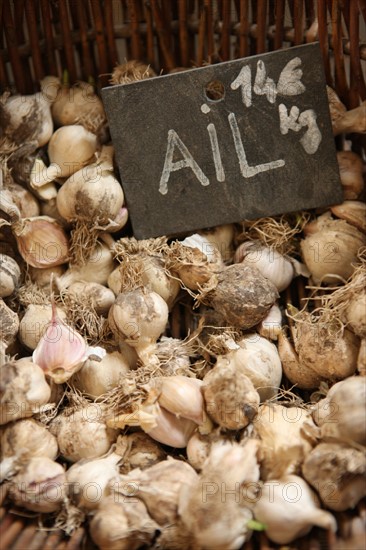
(270, 327)
(295, 370)
(61, 351)
(34, 323)
(171, 430)
(289, 509)
(42, 242)
(182, 396)
(70, 148)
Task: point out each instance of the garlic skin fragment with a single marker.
(337, 473)
(22, 440)
(88, 480)
(258, 359)
(9, 275)
(82, 433)
(98, 377)
(40, 486)
(215, 508)
(42, 242)
(230, 397)
(289, 509)
(139, 317)
(25, 390)
(122, 524)
(287, 435)
(272, 265)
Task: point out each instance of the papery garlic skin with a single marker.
(88, 480)
(40, 486)
(24, 439)
(122, 524)
(337, 473)
(9, 323)
(289, 509)
(258, 359)
(221, 236)
(138, 450)
(25, 390)
(82, 433)
(34, 323)
(9, 275)
(273, 265)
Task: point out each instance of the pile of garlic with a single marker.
(163, 392)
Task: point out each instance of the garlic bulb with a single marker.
(353, 212)
(355, 312)
(42, 242)
(61, 351)
(95, 270)
(40, 486)
(321, 352)
(341, 415)
(69, 149)
(330, 251)
(78, 104)
(272, 265)
(139, 317)
(361, 359)
(25, 390)
(27, 203)
(88, 480)
(258, 359)
(28, 118)
(195, 260)
(350, 170)
(159, 487)
(198, 449)
(92, 194)
(98, 377)
(35, 322)
(337, 473)
(241, 295)
(122, 524)
(9, 275)
(82, 433)
(289, 509)
(230, 397)
(22, 440)
(100, 297)
(215, 507)
(138, 450)
(286, 439)
(41, 180)
(9, 323)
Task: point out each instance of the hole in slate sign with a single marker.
(215, 90)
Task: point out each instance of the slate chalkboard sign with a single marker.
(223, 143)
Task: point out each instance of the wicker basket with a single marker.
(89, 37)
